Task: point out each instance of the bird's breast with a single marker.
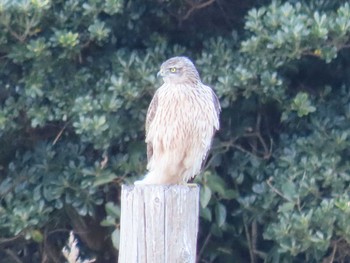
(183, 115)
(179, 106)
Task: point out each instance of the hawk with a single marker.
(180, 124)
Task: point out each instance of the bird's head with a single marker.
(178, 70)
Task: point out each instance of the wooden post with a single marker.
(159, 224)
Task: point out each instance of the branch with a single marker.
(254, 238)
(59, 134)
(13, 255)
(276, 190)
(8, 241)
(249, 241)
(195, 7)
(204, 246)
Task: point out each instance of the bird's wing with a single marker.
(216, 106)
(151, 112)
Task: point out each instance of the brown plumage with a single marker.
(180, 124)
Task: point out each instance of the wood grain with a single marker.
(159, 224)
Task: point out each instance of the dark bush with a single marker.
(76, 79)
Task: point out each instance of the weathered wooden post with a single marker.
(159, 223)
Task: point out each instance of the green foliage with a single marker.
(76, 79)
(301, 104)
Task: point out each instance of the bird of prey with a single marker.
(180, 124)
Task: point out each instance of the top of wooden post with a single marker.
(159, 186)
(159, 223)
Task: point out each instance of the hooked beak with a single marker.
(160, 74)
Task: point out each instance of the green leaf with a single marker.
(108, 221)
(205, 195)
(286, 207)
(37, 236)
(216, 184)
(302, 105)
(289, 190)
(206, 214)
(230, 194)
(104, 179)
(220, 214)
(216, 230)
(115, 238)
(112, 209)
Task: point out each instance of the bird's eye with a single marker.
(172, 70)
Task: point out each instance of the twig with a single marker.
(204, 246)
(59, 134)
(267, 152)
(196, 6)
(333, 252)
(104, 161)
(246, 230)
(12, 255)
(276, 190)
(243, 150)
(7, 241)
(254, 239)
